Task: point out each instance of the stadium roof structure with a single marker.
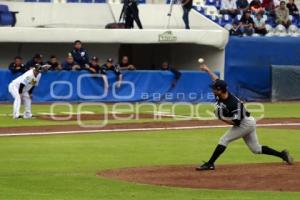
(64, 23)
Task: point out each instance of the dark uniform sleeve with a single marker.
(177, 74)
(103, 69)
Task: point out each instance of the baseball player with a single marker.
(232, 111)
(21, 89)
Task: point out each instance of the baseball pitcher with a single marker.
(21, 89)
(232, 111)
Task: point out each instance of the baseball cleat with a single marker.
(206, 166)
(287, 157)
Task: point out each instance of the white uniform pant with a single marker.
(14, 91)
(247, 131)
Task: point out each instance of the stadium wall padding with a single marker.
(248, 63)
(152, 86)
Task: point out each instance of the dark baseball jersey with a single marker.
(231, 109)
(116, 69)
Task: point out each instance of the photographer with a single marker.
(130, 13)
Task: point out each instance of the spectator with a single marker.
(282, 15)
(166, 67)
(242, 5)
(70, 64)
(125, 65)
(109, 66)
(235, 30)
(269, 7)
(260, 24)
(80, 55)
(53, 64)
(37, 59)
(229, 7)
(17, 66)
(256, 7)
(94, 65)
(246, 23)
(186, 6)
(293, 9)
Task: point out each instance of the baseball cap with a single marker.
(110, 60)
(219, 85)
(39, 56)
(95, 58)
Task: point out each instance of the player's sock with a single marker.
(269, 151)
(218, 151)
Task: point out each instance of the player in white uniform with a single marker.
(21, 89)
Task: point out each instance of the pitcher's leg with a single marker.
(232, 134)
(253, 144)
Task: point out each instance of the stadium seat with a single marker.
(293, 20)
(72, 1)
(218, 4)
(100, 1)
(210, 2)
(199, 9)
(280, 30)
(293, 31)
(271, 22)
(214, 18)
(238, 17)
(198, 2)
(141, 1)
(31, 1)
(86, 1)
(7, 18)
(226, 19)
(211, 10)
(45, 1)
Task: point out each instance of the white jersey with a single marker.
(28, 79)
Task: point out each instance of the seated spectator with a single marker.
(229, 7)
(269, 7)
(94, 65)
(70, 64)
(37, 59)
(282, 15)
(125, 65)
(53, 64)
(177, 74)
(246, 23)
(17, 66)
(109, 66)
(293, 9)
(242, 5)
(260, 24)
(80, 55)
(235, 30)
(256, 7)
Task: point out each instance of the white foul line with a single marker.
(139, 129)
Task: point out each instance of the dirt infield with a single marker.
(264, 177)
(146, 125)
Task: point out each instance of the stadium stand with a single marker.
(7, 18)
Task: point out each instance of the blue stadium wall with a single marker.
(247, 71)
(153, 86)
(248, 63)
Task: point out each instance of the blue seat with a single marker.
(86, 1)
(7, 18)
(199, 9)
(44, 1)
(218, 4)
(3, 8)
(293, 19)
(210, 2)
(271, 22)
(31, 1)
(100, 1)
(142, 1)
(226, 19)
(213, 18)
(72, 1)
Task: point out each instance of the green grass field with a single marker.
(64, 167)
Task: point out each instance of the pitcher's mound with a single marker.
(271, 176)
